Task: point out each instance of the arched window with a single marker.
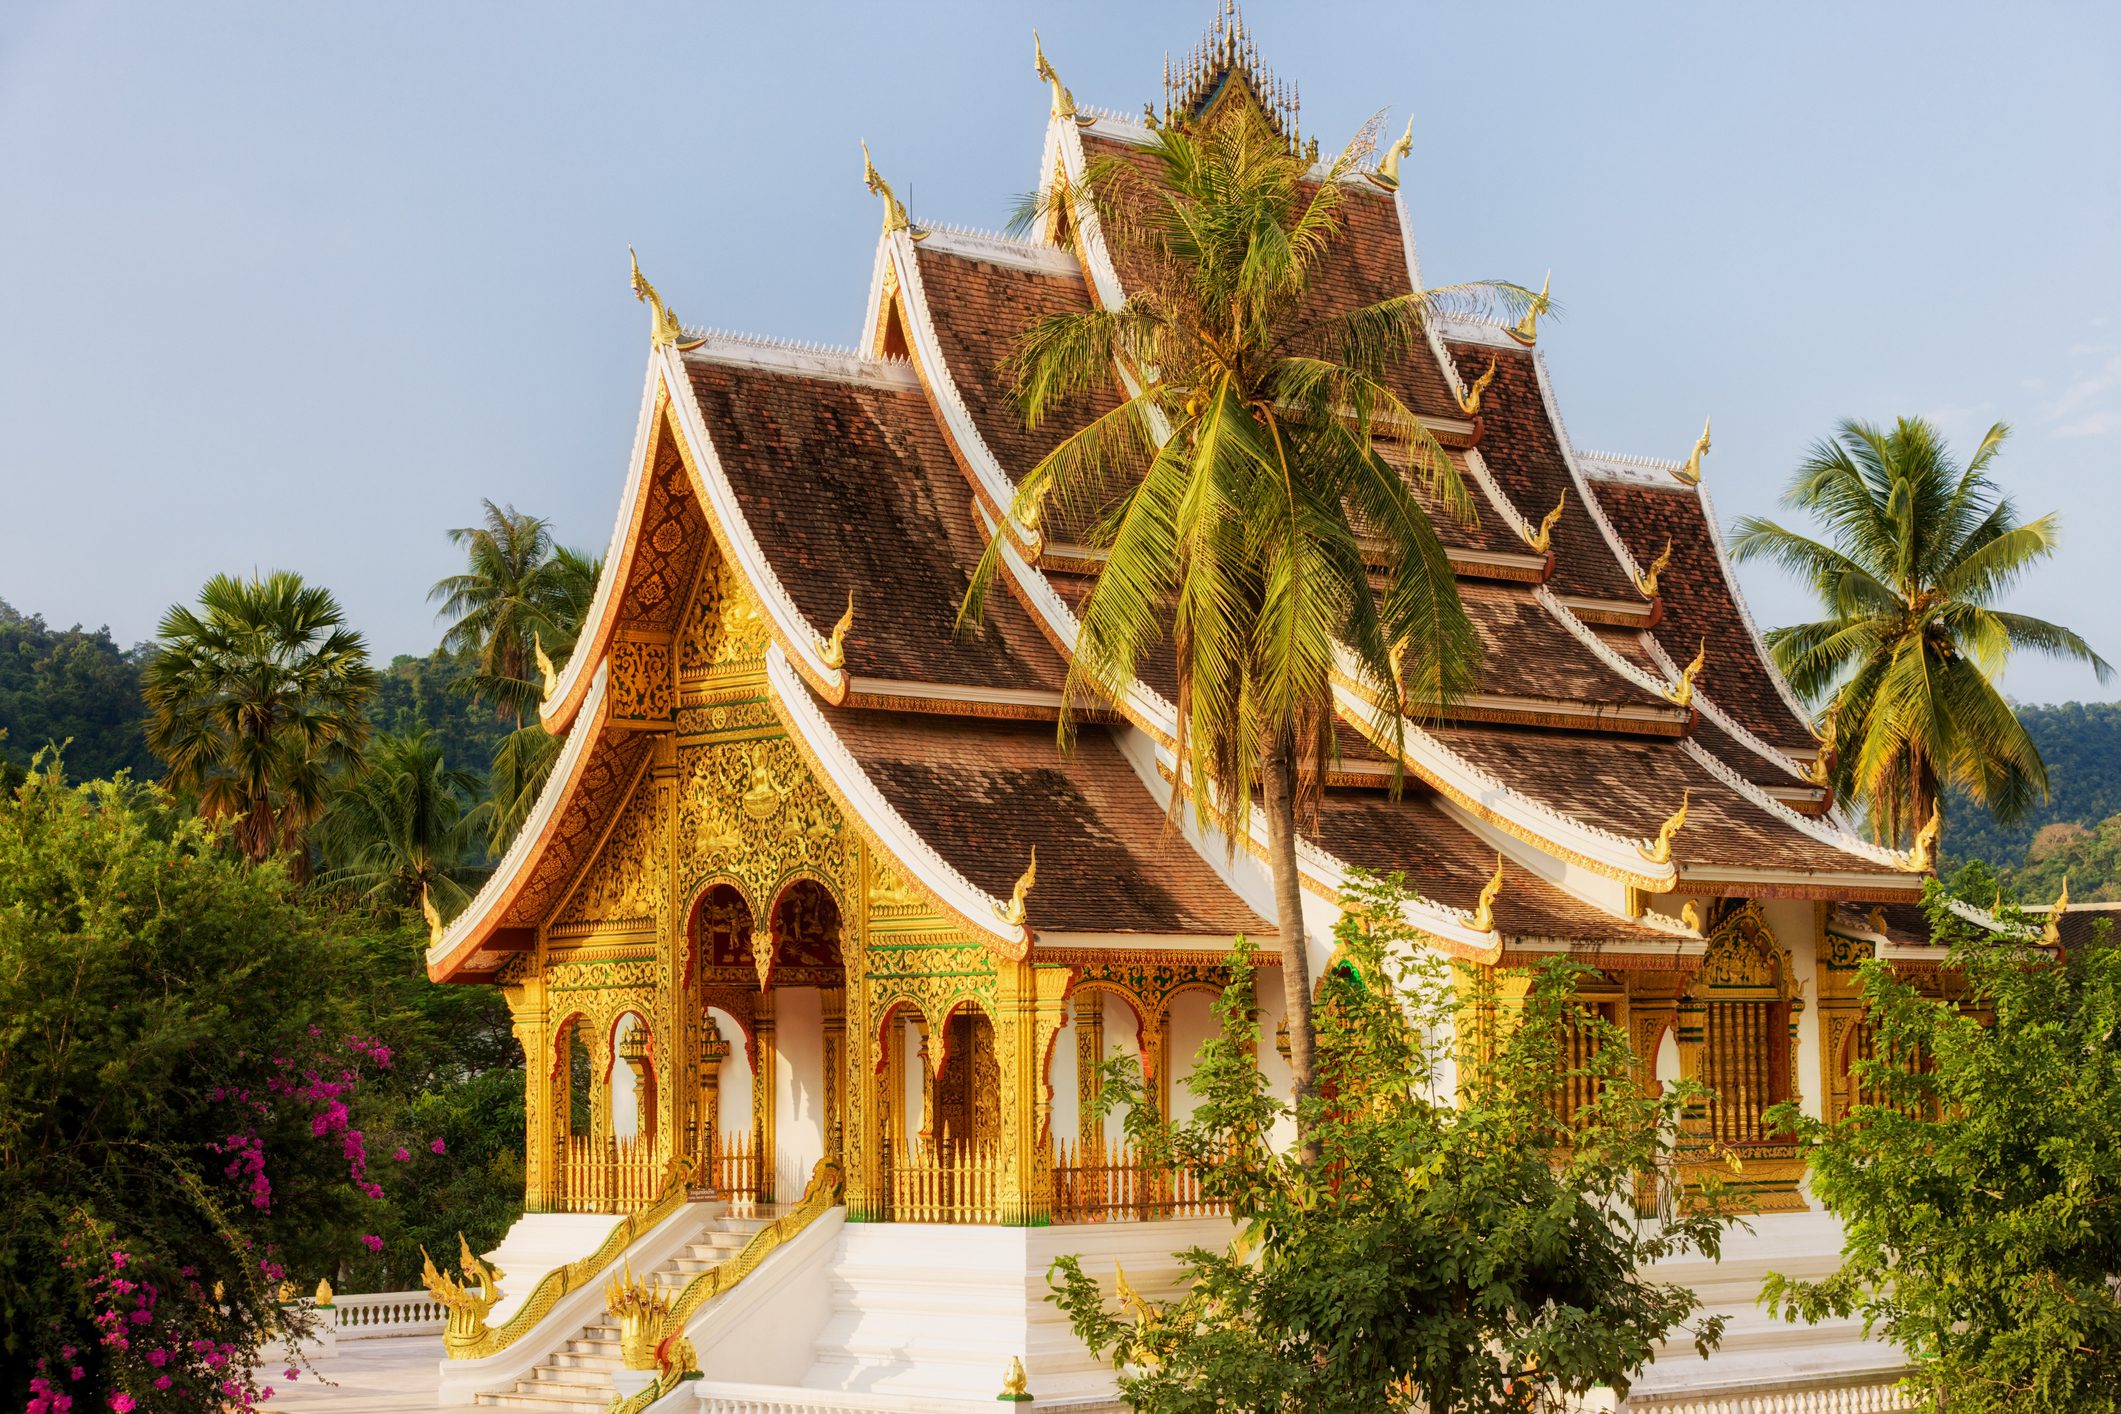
(1743, 990)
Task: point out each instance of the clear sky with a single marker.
(295, 285)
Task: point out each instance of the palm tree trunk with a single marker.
(1278, 786)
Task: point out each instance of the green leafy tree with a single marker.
(1918, 549)
(181, 1072)
(70, 687)
(1980, 1193)
(519, 593)
(258, 703)
(1443, 1256)
(407, 831)
(1266, 519)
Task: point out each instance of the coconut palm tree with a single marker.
(501, 606)
(406, 833)
(257, 700)
(1265, 523)
(1917, 550)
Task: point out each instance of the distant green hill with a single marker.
(2081, 743)
(61, 684)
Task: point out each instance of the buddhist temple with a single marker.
(815, 915)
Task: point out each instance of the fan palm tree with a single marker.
(1916, 552)
(1265, 515)
(406, 832)
(257, 700)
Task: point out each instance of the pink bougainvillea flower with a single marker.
(403, 1156)
(162, 1382)
(121, 1402)
(375, 1243)
(439, 1147)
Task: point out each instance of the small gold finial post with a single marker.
(1690, 915)
(1526, 330)
(1690, 473)
(1660, 850)
(1469, 400)
(1922, 859)
(1542, 539)
(663, 330)
(1016, 1385)
(1013, 912)
(1646, 581)
(894, 211)
(324, 1291)
(2051, 935)
(834, 649)
(1681, 693)
(1063, 101)
(1387, 173)
(1484, 911)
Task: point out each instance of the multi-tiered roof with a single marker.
(1623, 679)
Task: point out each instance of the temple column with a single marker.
(832, 1005)
(532, 1028)
(765, 1090)
(1089, 1055)
(1028, 1005)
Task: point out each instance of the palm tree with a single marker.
(501, 606)
(257, 702)
(405, 833)
(1265, 513)
(1917, 550)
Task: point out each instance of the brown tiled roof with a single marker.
(1523, 451)
(1698, 606)
(1529, 654)
(851, 486)
(2084, 924)
(984, 793)
(1447, 865)
(1629, 785)
(1905, 923)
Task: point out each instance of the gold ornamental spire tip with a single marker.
(894, 210)
(663, 330)
(1469, 400)
(834, 649)
(1660, 850)
(1646, 581)
(1387, 173)
(434, 918)
(1922, 859)
(547, 675)
(2051, 935)
(1690, 474)
(1013, 912)
(1542, 539)
(1063, 100)
(1484, 911)
(1681, 692)
(1526, 330)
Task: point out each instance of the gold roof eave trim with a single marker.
(979, 913)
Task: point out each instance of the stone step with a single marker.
(575, 1384)
(554, 1403)
(575, 1360)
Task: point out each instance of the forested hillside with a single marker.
(2081, 744)
(57, 684)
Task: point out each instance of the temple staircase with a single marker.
(576, 1377)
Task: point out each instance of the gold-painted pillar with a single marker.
(532, 1028)
(1028, 1006)
(672, 1084)
(763, 1092)
(714, 1052)
(832, 1003)
(926, 1133)
(1089, 1054)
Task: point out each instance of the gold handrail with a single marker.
(468, 1337)
(819, 1195)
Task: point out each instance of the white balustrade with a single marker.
(375, 1314)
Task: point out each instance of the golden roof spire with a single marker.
(1682, 692)
(1691, 472)
(1013, 912)
(1526, 330)
(1542, 539)
(1660, 851)
(1646, 581)
(1923, 857)
(1063, 101)
(1387, 173)
(548, 676)
(663, 330)
(2052, 933)
(434, 918)
(1484, 911)
(894, 211)
(834, 649)
(1469, 400)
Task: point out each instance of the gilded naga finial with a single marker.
(1063, 101)
(1690, 915)
(1526, 330)
(1691, 472)
(1013, 912)
(1387, 173)
(834, 649)
(467, 1301)
(1469, 400)
(1646, 581)
(548, 675)
(1922, 859)
(641, 1310)
(2051, 935)
(1660, 850)
(1145, 1314)
(1876, 919)
(1484, 911)
(894, 211)
(1681, 693)
(663, 330)
(1542, 539)
(434, 918)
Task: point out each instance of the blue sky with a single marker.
(295, 285)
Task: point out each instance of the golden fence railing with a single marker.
(732, 1169)
(1095, 1183)
(945, 1183)
(610, 1176)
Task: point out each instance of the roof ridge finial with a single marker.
(1526, 330)
(894, 209)
(1063, 100)
(1387, 176)
(663, 329)
(1690, 473)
